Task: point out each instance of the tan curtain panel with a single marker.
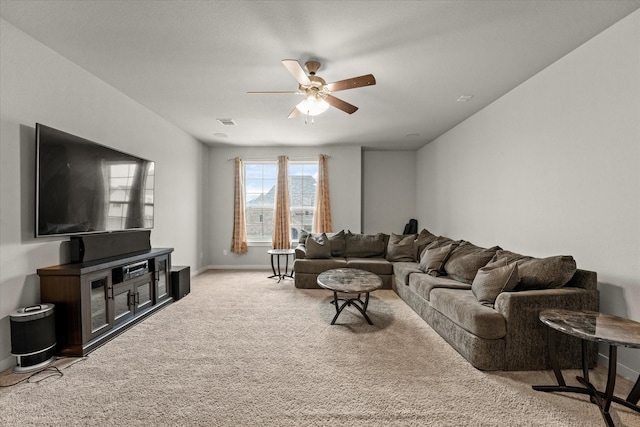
(239, 240)
(322, 213)
(281, 239)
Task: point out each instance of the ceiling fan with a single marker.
(317, 92)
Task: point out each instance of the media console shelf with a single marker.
(97, 300)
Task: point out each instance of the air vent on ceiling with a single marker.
(227, 122)
(464, 98)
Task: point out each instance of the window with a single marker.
(260, 189)
(302, 194)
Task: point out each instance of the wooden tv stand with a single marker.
(95, 301)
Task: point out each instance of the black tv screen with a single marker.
(83, 187)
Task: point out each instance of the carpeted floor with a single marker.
(244, 350)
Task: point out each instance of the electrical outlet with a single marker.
(224, 252)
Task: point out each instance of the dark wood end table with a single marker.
(602, 328)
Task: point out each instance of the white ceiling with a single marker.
(192, 62)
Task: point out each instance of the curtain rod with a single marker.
(265, 159)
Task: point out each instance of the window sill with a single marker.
(268, 244)
(258, 243)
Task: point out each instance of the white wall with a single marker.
(553, 167)
(38, 85)
(344, 169)
(389, 188)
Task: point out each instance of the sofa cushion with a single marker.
(424, 239)
(423, 284)
(540, 273)
(465, 261)
(364, 245)
(462, 308)
(434, 258)
(317, 266)
(401, 248)
(318, 247)
(402, 270)
(379, 266)
(493, 279)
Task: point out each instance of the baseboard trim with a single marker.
(239, 267)
(622, 370)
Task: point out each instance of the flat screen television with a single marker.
(83, 187)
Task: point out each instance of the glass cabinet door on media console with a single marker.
(160, 270)
(98, 318)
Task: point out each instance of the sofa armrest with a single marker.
(526, 338)
(301, 251)
(584, 279)
(512, 304)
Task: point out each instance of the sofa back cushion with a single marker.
(364, 245)
(540, 273)
(401, 248)
(465, 261)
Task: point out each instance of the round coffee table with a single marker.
(350, 281)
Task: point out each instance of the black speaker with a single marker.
(180, 281)
(97, 246)
(33, 337)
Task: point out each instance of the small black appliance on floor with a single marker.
(33, 337)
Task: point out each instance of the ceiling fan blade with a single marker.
(340, 104)
(366, 80)
(268, 93)
(297, 71)
(294, 113)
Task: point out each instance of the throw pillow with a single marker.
(540, 273)
(303, 237)
(401, 248)
(434, 258)
(493, 279)
(337, 241)
(318, 247)
(424, 239)
(466, 260)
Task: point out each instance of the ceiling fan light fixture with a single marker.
(312, 106)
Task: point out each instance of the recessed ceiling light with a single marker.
(220, 135)
(464, 98)
(227, 122)
(412, 135)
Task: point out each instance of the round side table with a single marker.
(276, 254)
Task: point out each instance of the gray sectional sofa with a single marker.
(483, 301)
(347, 250)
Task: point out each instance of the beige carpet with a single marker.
(243, 350)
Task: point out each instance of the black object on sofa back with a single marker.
(411, 227)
